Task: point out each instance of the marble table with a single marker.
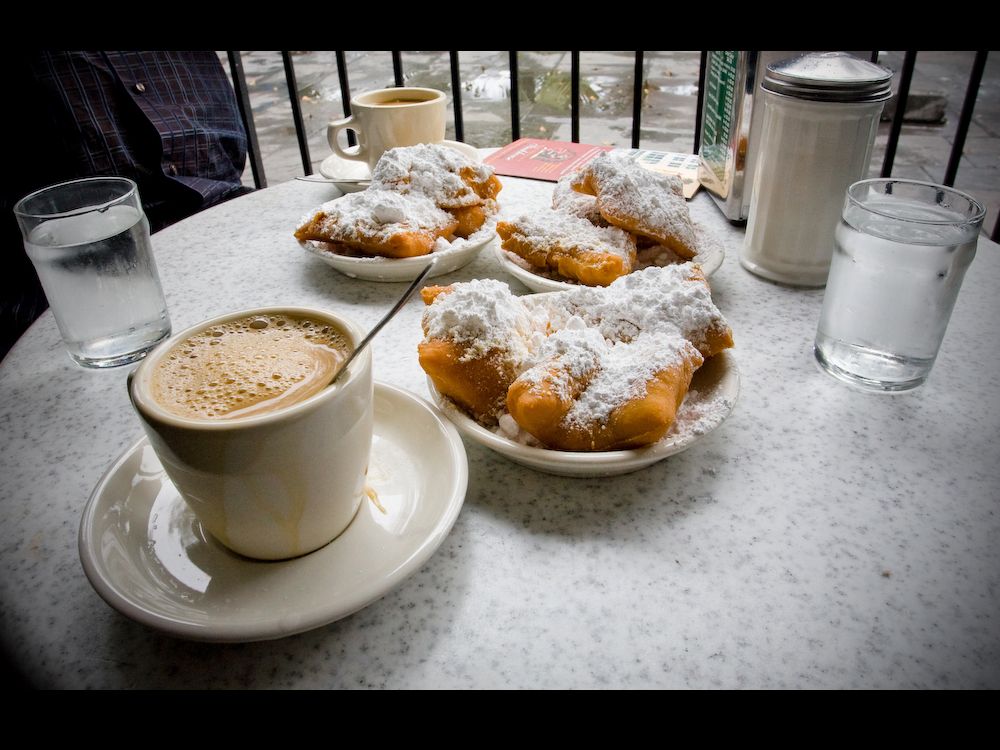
(822, 537)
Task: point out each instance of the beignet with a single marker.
(380, 222)
(593, 395)
(444, 175)
(569, 245)
(640, 201)
(477, 340)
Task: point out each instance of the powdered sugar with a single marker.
(480, 237)
(654, 299)
(625, 374)
(598, 375)
(701, 412)
(617, 172)
(546, 228)
(377, 215)
(567, 360)
(433, 171)
(569, 201)
(645, 201)
(508, 427)
(484, 315)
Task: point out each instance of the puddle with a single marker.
(554, 90)
(490, 85)
(685, 89)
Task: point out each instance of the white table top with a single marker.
(823, 537)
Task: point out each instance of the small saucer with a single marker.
(711, 254)
(348, 175)
(149, 558)
(352, 176)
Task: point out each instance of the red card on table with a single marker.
(542, 160)
(539, 159)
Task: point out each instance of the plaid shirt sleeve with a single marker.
(168, 120)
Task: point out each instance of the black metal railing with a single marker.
(246, 112)
(906, 73)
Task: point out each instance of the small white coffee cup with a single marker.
(389, 118)
(278, 484)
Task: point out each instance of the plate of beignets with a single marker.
(581, 238)
(424, 202)
(590, 381)
(450, 257)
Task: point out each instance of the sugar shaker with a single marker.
(821, 114)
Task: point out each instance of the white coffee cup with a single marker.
(389, 118)
(272, 485)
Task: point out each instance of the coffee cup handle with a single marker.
(333, 130)
(128, 385)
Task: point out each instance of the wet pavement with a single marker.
(670, 95)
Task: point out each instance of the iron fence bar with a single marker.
(874, 56)
(293, 98)
(637, 100)
(397, 67)
(574, 94)
(515, 100)
(965, 118)
(456, 93)
(345, 92)
(902, 94)
(246, 114)
(702, 67)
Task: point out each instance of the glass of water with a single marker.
(89, 242)
(901, 251)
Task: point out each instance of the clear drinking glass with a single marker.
(89, 242)
(901, 251)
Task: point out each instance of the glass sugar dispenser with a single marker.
(821, 115)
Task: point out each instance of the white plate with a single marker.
(149, 558)
(459, 253)
(351, 176)
(711, 398)
(710, 255)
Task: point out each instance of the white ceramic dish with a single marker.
(710, 257)
(149, 558)
(351, 176)
(460, 253)
(711, 398)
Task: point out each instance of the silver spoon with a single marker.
(388, 316)
(352, 180)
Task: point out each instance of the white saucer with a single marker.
(711, 254)
(348, 175)
(351, 176)
(374, 268)
(711, 398)
(148, 557)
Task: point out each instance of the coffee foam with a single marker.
(248, 366)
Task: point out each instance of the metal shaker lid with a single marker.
(829, 77)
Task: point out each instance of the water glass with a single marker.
(89, 242)
(901, 250)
